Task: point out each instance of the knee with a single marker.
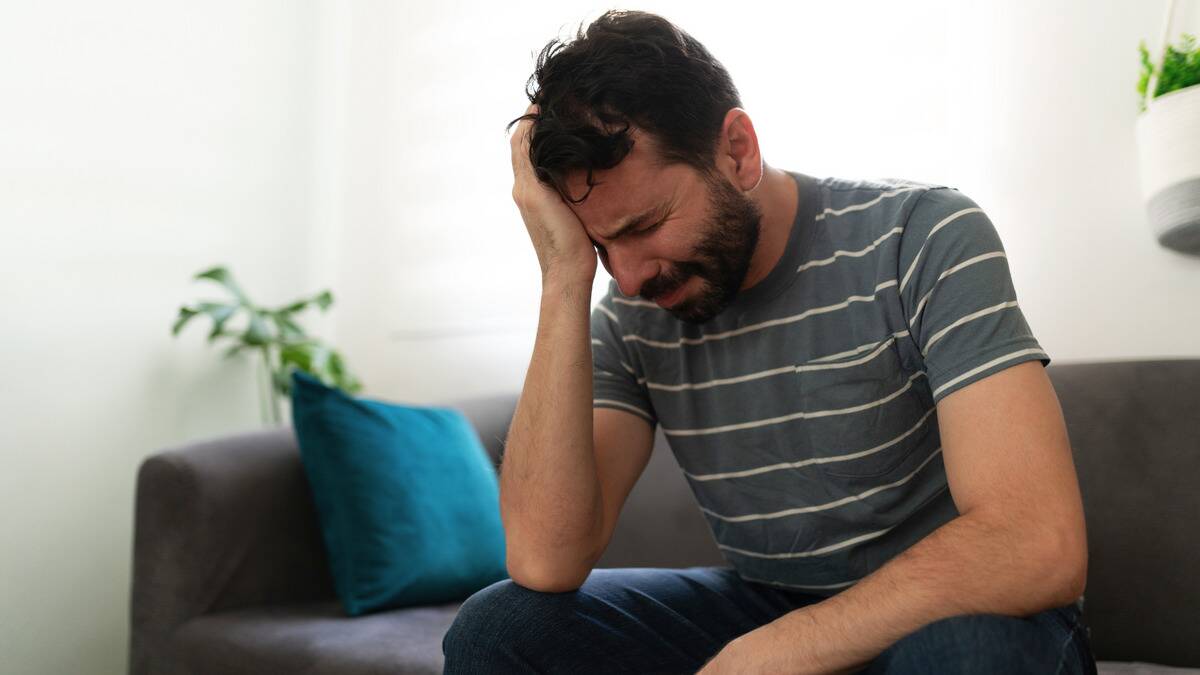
(494, 622)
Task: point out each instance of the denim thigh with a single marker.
(1053, 642)
(621, 620)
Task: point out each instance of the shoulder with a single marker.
(870, 204)
(945, 213)
(946, 231)
(837, 184)
(940, 201)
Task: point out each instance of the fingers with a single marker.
(519, 144)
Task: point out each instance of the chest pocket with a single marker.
(865, 413)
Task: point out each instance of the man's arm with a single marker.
(550, 500)
(1019, 546)
(566, 469)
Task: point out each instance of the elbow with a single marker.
(547, 581)
(548, 585)
(1066, 565)
(546, 577)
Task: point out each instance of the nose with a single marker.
(629, 269)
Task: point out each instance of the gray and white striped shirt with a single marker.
(803, 416)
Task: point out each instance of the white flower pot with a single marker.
(1168, 140)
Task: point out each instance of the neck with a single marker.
(778, 199)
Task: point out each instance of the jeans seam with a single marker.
(1062, 652)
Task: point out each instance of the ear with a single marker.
(738, 155)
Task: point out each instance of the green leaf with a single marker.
(294, 307)
(185, 315)
(341, 376)
(295, 354)
(220, 314)
(1180, 68)
(234, 350)
(310, 356)
(289, 331)
(222, 275)
(320, 361)
(217, 311)
(257, 332)
(323, 300)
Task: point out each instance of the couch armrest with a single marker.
(230, 522)
(219, 524)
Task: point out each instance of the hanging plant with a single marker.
(1180, 68)
(1168, 140)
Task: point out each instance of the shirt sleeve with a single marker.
(958, 296)
(616, 381)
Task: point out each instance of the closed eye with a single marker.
(651, 228)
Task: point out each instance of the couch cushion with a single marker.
(312, 639)
(316, 639)
(1139, 668)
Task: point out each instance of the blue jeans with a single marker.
(652, 620)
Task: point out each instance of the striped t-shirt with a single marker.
(803, 415)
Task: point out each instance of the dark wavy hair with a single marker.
(627, 69)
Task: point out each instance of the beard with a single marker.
(721, 259)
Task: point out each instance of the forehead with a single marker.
(638, 183)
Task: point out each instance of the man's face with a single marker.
(691, 250)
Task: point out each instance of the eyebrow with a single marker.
(634, 221)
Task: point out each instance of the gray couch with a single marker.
(230, 574)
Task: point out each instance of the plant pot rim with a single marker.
(1167, 98)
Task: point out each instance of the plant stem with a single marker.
(262, 399)
(272, 396)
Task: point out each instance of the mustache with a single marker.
(665, 284)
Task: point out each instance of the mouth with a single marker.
(668, 300)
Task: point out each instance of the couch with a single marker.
(230, 574)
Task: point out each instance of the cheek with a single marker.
(677, 246)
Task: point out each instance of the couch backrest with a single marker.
(660, 524)
(1135, 430)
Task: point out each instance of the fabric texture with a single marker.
(804, 415)
(657, 621)
(407, 498)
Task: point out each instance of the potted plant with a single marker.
(1168, 140)
(275, 336)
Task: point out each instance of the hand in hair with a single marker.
(564, 250)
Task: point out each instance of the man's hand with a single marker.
(563, 248)
(764, 651)
(736, 658)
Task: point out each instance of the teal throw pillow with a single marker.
(408, 500)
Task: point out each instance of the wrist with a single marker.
(560, 280)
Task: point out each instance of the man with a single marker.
(840, 367)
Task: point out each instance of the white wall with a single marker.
(140, 142)
(1028, 107)
(360, 146)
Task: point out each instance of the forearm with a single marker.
(971, 565)
(550, 496)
